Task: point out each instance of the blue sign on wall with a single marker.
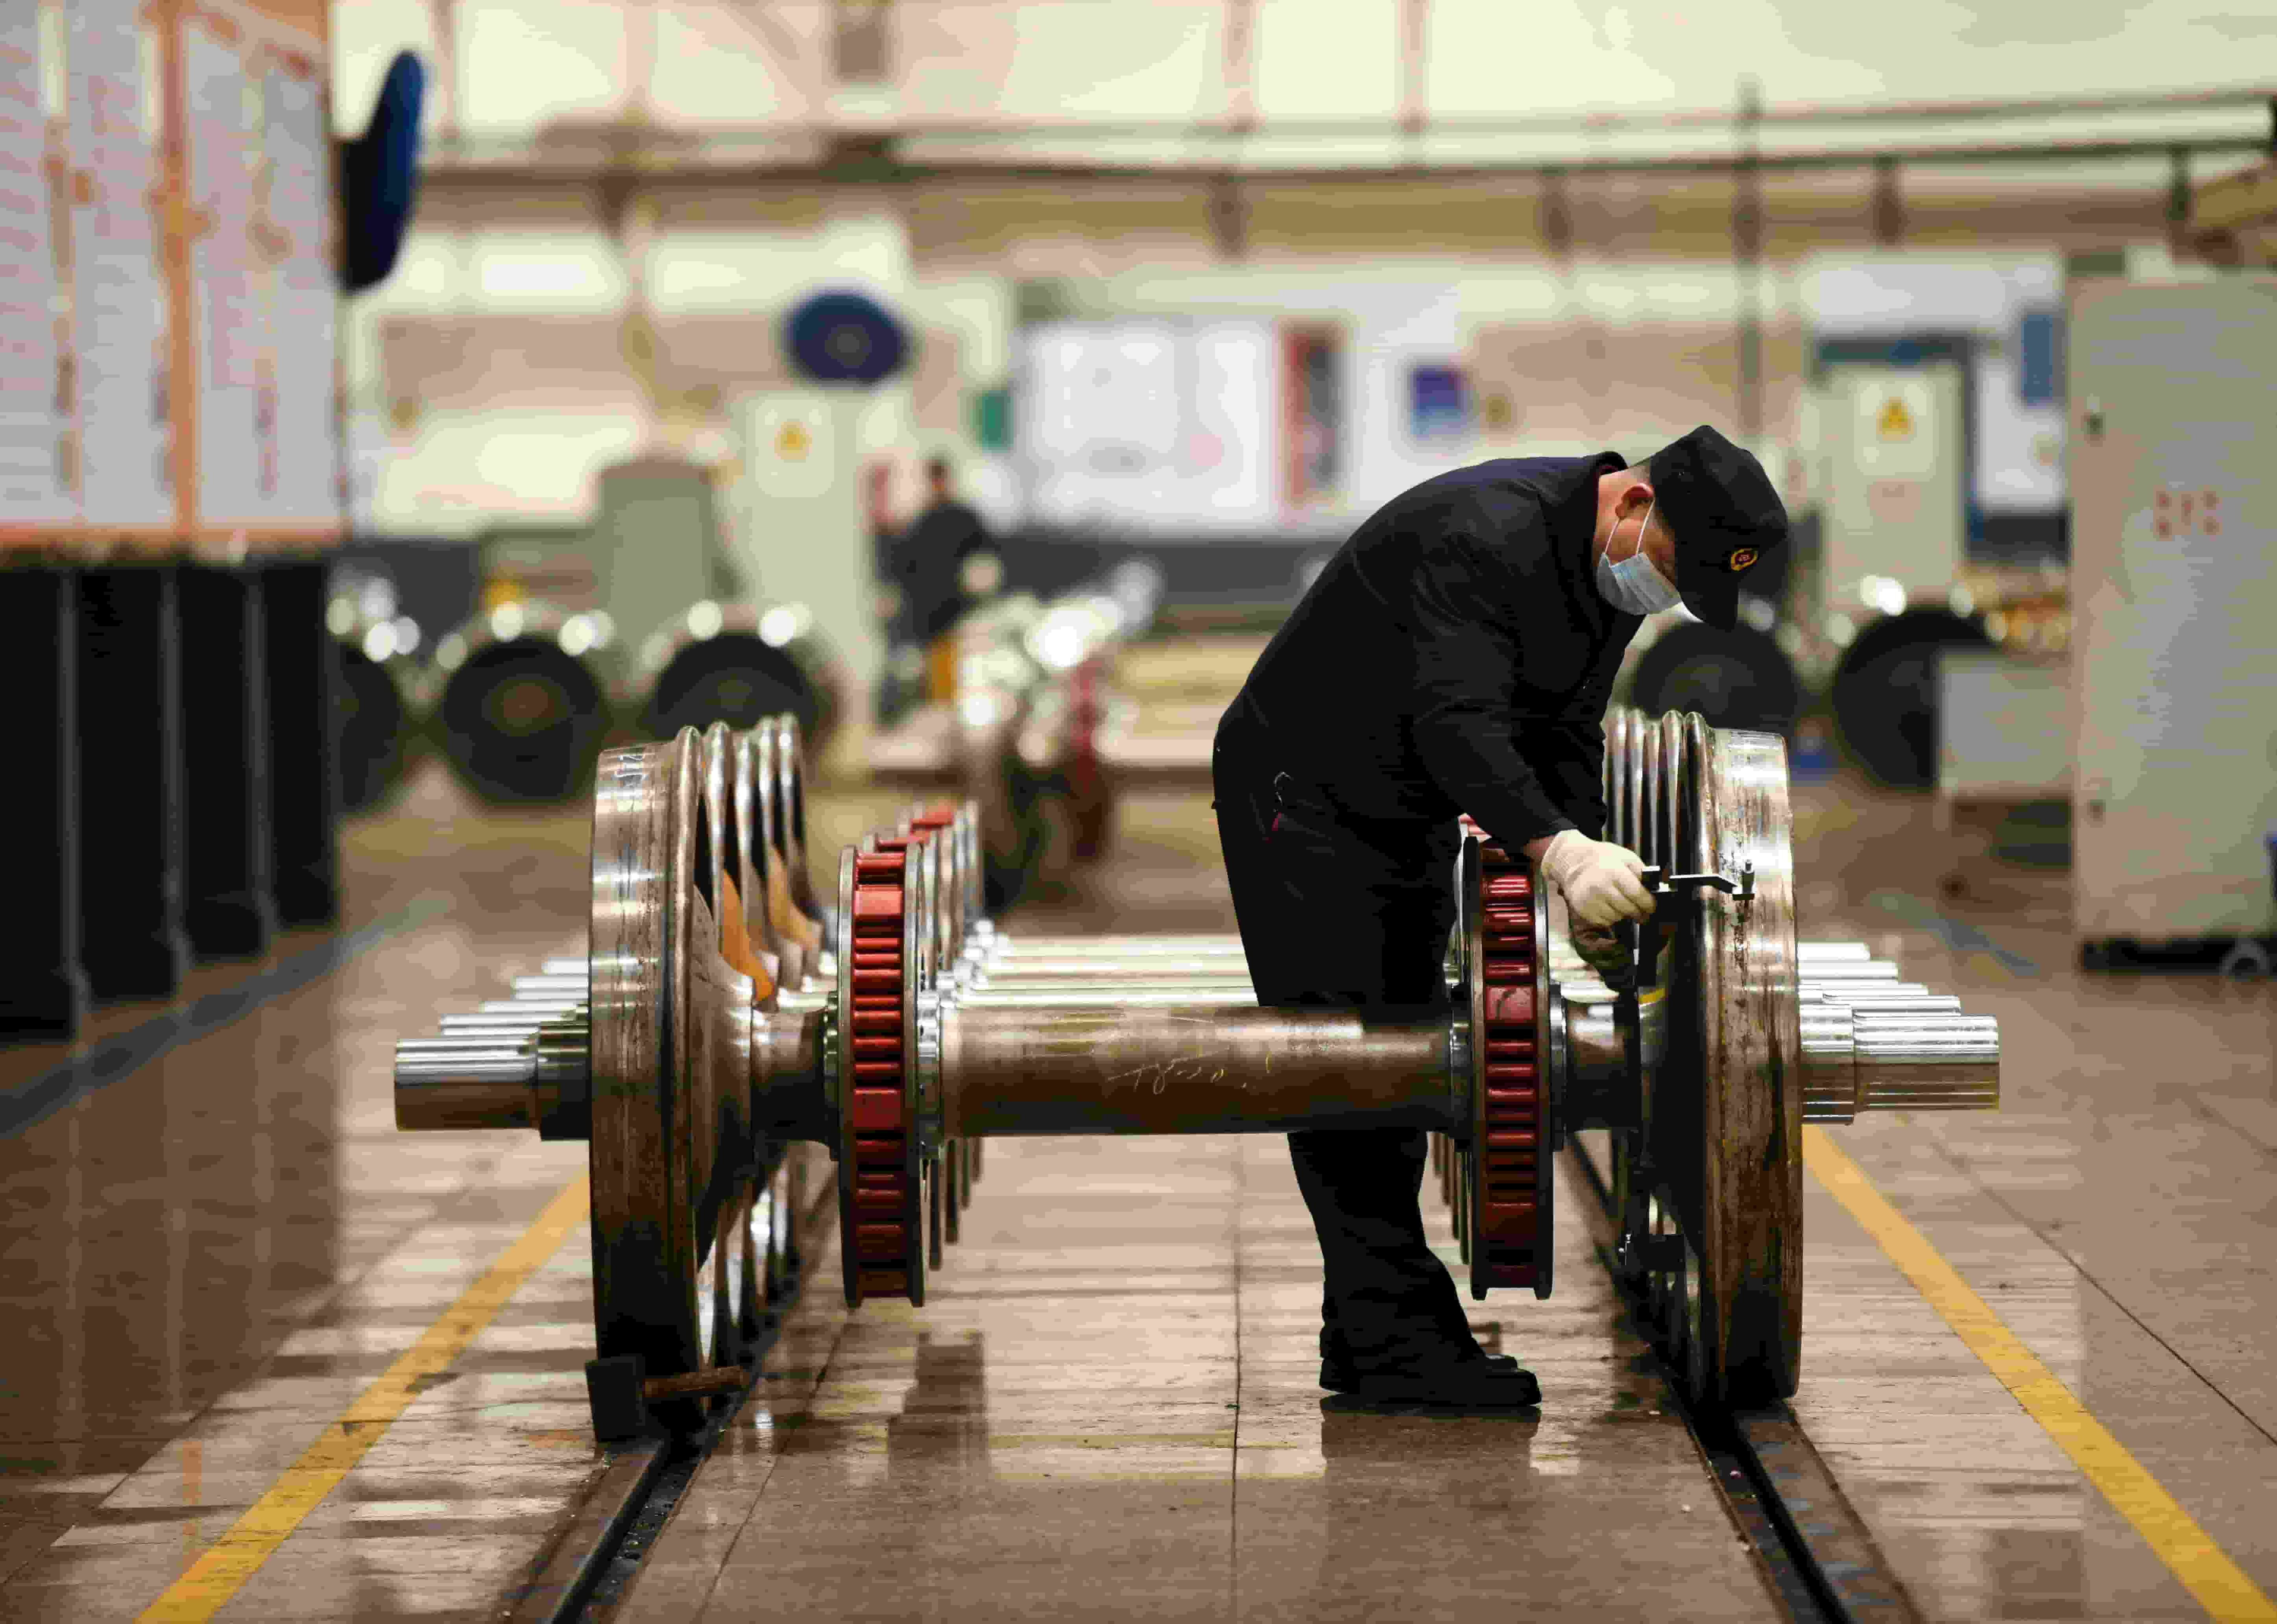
(2040, 361)
(1438, 404)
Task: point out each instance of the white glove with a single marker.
(1598, 878)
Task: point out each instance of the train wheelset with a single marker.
(689, 1056)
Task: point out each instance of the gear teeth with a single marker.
(1508, 1161)
(882, 1237)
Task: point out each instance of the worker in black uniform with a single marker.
(1455, 657)
(943, 564)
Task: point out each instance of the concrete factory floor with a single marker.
(1108, 1409)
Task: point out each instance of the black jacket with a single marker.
(1454, 657)
(923, 561)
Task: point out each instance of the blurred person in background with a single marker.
(901, 684)
(940, 565)
(1454, 657)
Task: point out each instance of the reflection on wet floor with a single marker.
(1109, 1407)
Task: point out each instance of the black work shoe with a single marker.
(1487, 1379)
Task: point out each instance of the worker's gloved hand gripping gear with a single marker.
(1598, 880)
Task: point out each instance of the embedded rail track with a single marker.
(726, 1025)
(1819, 1561)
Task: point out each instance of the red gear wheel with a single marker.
(884, 1242)
(1509, 1222)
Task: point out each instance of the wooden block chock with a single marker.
(621, 1392)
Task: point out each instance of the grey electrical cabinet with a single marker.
(657, 545)
(1893, 440)
(2172, 466)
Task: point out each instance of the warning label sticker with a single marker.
(1897, 431)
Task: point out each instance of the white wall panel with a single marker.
(550, 270)
(717, 63)
(365, 36)
(463, 471)
(1090, 60)
(1309, 67)
(1893, 293)
(769, 271)
(1485, 57)
(979, 311)
(523, 67)
(430, 279)
(430, 274)
(523, 362)
(721, 271)
(725, 62)
(1488, 55)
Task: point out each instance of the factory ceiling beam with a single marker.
(881, 161)
(1239, 116)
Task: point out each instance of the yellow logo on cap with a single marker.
(1740, 558)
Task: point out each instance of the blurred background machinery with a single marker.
(636, 444)
(1040, 731)
(375, 645)
(519, 704)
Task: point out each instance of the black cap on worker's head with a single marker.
(1724, 514)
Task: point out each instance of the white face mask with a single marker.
(1635, 585)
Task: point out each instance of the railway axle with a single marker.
(713, 1022)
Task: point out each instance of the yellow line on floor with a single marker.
(218, 1574)
(2206, 1571)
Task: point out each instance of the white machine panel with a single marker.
(2004, 727)
(2173, 469)
(1149, 425)
(657, 542)
(1894, 445)
(800, 536)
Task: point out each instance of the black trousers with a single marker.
(1337, 914)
